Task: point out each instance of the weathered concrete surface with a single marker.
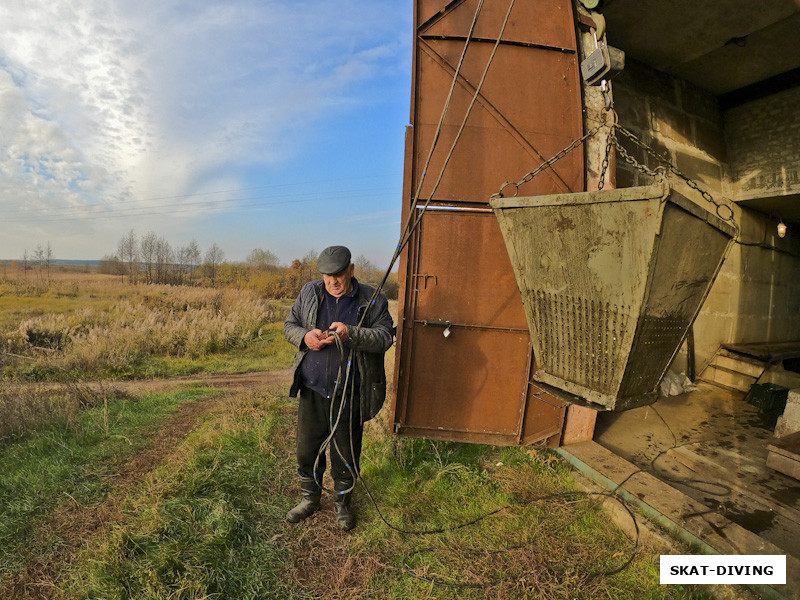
(789, 421)
(711, 446)
(675, 511)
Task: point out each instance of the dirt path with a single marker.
(241, 380)
(73, 523)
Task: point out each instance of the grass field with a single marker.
(170, 489)
(94, 326)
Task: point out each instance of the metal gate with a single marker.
(464, 360)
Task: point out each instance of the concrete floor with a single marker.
(712, 445)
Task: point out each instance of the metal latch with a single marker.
(604, 59)
(446, 324)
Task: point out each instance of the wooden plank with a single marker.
(787, 445)
(746, 367)
(788, 465)
(767, 351)
(727, 378)
(784, 455)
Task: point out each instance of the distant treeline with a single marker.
(151, 259)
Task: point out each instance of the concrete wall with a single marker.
(677, 120)
(764, 152)
(757, 294)
(756, 297)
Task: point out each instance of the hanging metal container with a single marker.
(611, 281)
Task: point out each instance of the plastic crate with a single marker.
(768, 396)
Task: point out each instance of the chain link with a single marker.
(613, 141)
(548, 163)
(606, 160)
(720, 208)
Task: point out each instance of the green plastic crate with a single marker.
(768, 396)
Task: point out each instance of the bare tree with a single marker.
(367, 271)
(180, 265)
(48, 259)
(192, 254)
(128, 251)
(262, 259)
(363, 264)
(213, 259)
(164, 259)
(309, 265)
(148, 254)
(38, 261)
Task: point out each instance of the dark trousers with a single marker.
(315, 421)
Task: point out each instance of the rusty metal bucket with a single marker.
(611, 282)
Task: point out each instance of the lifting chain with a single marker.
(723, 211)
(547, 164)
(720, 208)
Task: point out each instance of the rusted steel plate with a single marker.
(531, 21)
(464, 274)
(474, 379)
(474, 384)
(462, 390)
(544, 416)
(527, 110)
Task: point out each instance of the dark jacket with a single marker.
(370, 341)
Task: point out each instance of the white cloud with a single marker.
(109, 102)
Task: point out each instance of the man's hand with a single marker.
(316, 339)
(341, 329)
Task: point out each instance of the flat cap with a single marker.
(333, 259)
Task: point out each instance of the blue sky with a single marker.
(274, 124)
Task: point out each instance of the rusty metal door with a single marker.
(464, 360)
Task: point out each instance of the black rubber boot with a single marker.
(309, 503)
(345, 518)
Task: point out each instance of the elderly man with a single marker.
(341, 333)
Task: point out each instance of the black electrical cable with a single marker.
(494, 582)
(405, 236)
(691, 483)
(347, 391)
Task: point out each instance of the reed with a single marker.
(113, 331)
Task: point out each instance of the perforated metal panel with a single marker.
(580, 339)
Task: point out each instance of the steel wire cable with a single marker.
(409, 228)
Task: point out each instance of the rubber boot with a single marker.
(345, 518)
(309, 504)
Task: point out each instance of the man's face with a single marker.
(339, 283)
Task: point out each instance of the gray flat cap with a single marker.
(333, 260)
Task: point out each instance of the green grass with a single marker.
(206, 526)
(69, 463)
(209, 521)
(552, 548)
(270, 352)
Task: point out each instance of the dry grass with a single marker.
(106, 328)
(24, 408)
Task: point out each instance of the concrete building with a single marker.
(715, 87)
(709, 90)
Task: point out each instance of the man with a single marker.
(341, 333)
